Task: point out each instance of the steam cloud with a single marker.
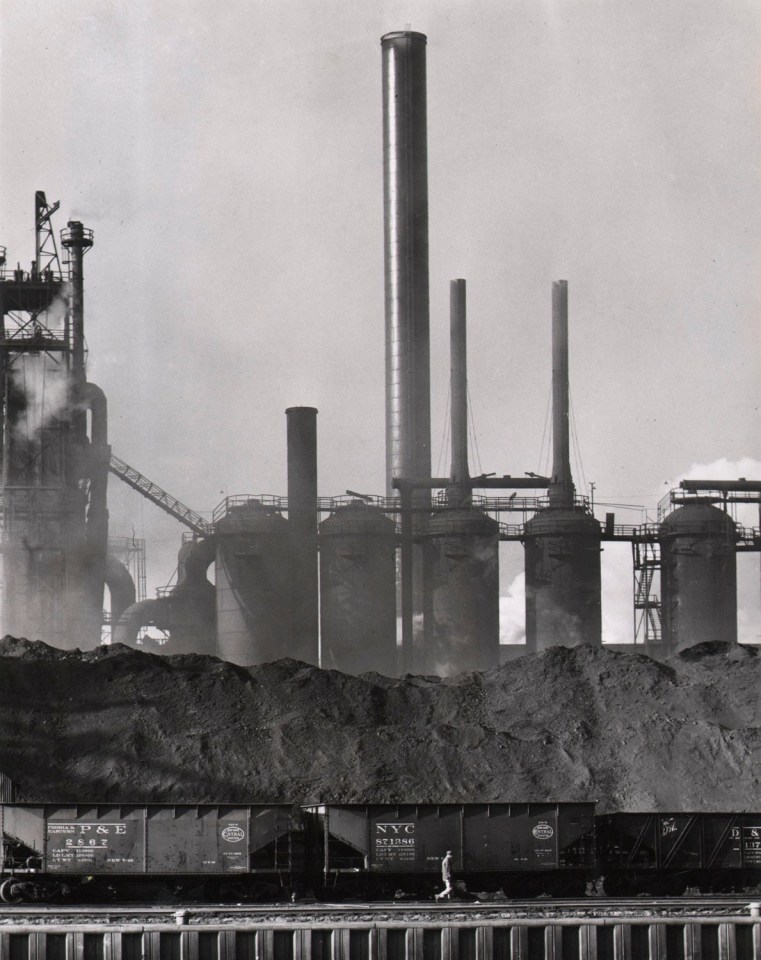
(40, 379)
(44, 386)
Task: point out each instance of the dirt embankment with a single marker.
(569, 724)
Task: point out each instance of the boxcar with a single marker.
(668, 852)
(493, 845)
(47, 847)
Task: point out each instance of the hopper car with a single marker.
(519, 847)
(667, 853)
(143, 851)
(246, 852)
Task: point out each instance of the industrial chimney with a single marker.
(302, 524)
(562, 542)
(405, 205)
(464, 541)
(405, 192)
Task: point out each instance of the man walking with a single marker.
(446, 876)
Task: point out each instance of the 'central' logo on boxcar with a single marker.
(233, 833)
(543, 831)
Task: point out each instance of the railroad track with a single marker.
(595, 928)
(407, 912)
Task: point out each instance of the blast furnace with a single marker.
(698, 576)
(562, 542)
(358, 590)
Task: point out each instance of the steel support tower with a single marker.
(53, 460)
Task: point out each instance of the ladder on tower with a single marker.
(647, 604)
(151, 491)
(47, 261)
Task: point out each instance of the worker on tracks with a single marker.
(446, 876)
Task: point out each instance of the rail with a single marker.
(720, 496)
(746, 538)
(392, 505)
(18, 275)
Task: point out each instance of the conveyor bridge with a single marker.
(151, 491)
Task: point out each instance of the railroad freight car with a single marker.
(665, 853)
(525, 848)
(139, 850)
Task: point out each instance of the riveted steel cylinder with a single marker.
(563, 588)
(698, 576)
(465, 584)
(253, 585)
(358, 591)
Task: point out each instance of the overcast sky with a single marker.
(229, 160)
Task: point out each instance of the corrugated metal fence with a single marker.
(666, 939)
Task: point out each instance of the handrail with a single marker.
(746, 537)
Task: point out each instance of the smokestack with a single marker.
(302, 521)
(562, 491)
(405, 182)
(459, 492)
(77, 240)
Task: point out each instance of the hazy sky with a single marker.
(229, 161)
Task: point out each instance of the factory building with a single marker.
(55, 452)
(404, 582)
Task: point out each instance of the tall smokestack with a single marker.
(405, 182)
(562, 491)
(458, 493)
(302, 521)
(77, 240)
(408, 375)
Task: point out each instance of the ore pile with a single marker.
(584, 723)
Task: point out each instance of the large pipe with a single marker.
(93, 398)
(188, 612)
(408, 375)
(141, 614)
(121, 586)
(87, 528)
(458, 492)
(97, 457)
(302, 522)
(562, 491)
(405, 183)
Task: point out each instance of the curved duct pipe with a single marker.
(142, 614)
(121, 586)
(193, 561)
(195, 598)
(188, 613)
(92, 398)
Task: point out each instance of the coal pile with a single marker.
(583, 723)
